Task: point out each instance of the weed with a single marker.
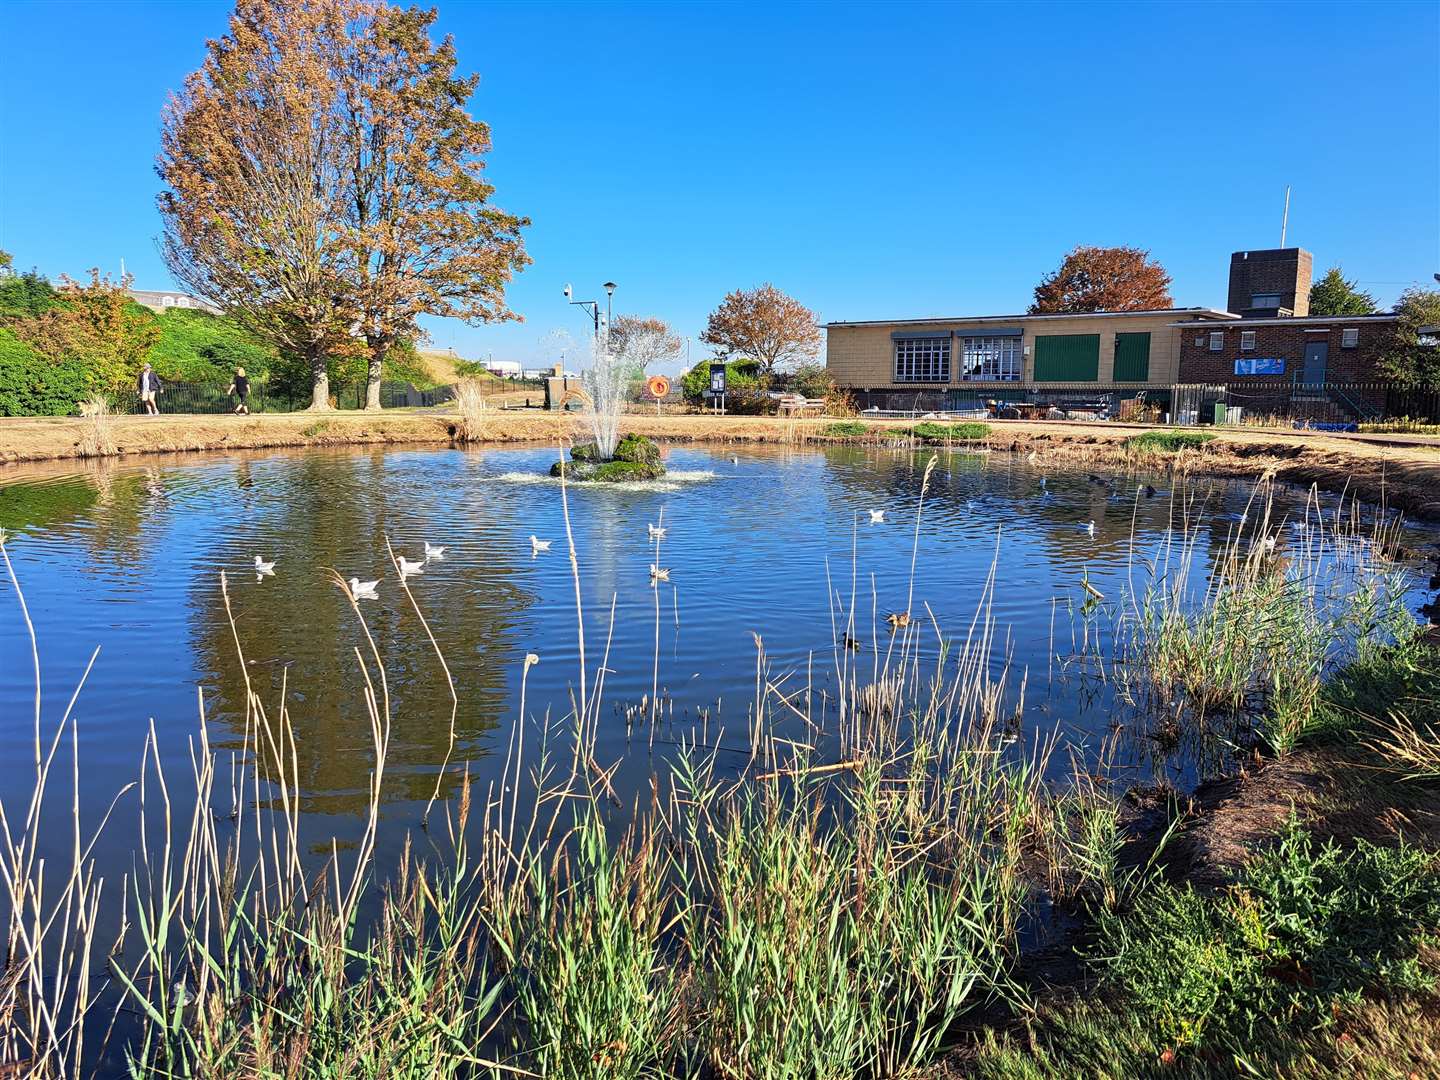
(317, 428)
(845, 429)
(931, 432)
(1167, 442)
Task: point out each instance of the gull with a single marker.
(263, 567)
(656, 532)
(433, 551)
(659, 573)
(411, 566)
(877, 516)
(537, 545)
(734, 460)
(364, 590)
(1269, 545)
(1090, 528)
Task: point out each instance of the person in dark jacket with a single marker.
(148, 386)
(240, 387)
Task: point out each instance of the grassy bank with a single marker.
(851, 899)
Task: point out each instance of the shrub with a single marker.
(811, 380)
(1303, 930)
(196, 346)
(31, 385)
(931, 432)
(740, 376)
(25, 295)
(1167, 442)
(845, 429)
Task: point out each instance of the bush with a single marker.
(810, 380)
(31, 385)
(740, 376)
(1167, 442)
(196, 346)
(1303, 930)
(845, 429)
(940, 433)
(25, 295)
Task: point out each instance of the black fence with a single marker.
(1253, 401)
(177, 397)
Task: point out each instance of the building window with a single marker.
(1217, 340)
(922, 360)
(1350, 338)
(1247, 340)
(1265, 300)
(991, 359)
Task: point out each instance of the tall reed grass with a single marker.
(827, 904)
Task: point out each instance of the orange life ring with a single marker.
(657, 386)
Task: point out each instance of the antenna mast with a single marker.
(1285, 219)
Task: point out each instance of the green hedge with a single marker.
(30, 385)
(196, 346)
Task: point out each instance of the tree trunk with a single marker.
(379, 346)
(320, 385)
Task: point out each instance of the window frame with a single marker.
(913, 351)
(1003, 353)
(1247, 340)
(1350, 337)
(1255, 299)
(1216, 341)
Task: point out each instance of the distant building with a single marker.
(162, 300)
(506, 369)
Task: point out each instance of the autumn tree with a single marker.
(1334, 295)
(96, 325)
(763, 325)
(644, 341)
(1103, 279)
(417, 210)
(254, 159)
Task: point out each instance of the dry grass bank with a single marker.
(1402, 471)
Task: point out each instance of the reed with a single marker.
(97, 435)
(474, 410)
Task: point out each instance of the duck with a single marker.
(898, 619)
(434, 551)
(656, 532)
(1149, 490)
(364, 590)
(1090, 528)
(411, 566)
(537, 545)
(734, 460)
(659, 573)
(263, 567)
(877, 517)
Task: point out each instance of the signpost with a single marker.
(717, 386)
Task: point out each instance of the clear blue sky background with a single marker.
(876, 160)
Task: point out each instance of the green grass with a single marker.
(1167, 442)
(845, 429)
(931, 432)
(1252, 980)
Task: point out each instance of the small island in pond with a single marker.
(635, 458)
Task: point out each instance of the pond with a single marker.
(770, 546)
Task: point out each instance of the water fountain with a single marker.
(610, 458)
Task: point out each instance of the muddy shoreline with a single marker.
(1402, 472)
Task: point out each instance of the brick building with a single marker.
(1276, 356)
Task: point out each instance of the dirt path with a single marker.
(1400, 471)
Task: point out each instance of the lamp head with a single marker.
(568, 291)
(609, 288)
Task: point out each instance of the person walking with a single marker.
(148, 387)
(240, 387)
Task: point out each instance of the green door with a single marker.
(1067, 358)
(1132, 357)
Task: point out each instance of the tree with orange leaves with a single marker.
(1103, 279)
(763, 325)
(323, 183)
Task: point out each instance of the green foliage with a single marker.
(1333, 294)
(845, 429)
(32, 385)
(932, 432)
(196, 346)
(1407, 361)
(811, 380)
(1306, 927)
(1167, 442)
(24, 295)
(740, 375)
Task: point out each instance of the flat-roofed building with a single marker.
(900, 357)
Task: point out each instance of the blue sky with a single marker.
(876, 160)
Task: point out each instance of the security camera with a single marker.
(568, 292)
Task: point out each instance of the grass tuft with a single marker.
(932, 432)
(1167, 442)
